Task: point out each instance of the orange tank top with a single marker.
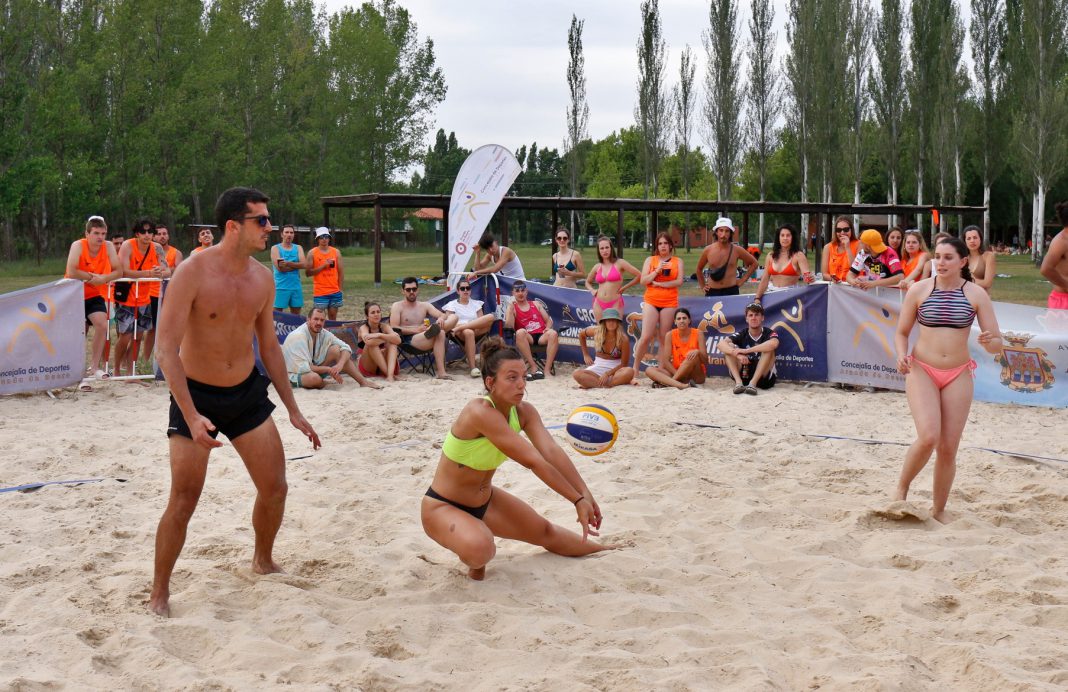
(680, 348)
(101, 264)
(659, 296)
(139, 292)
(907, 267)
(199, 248)
(170, 256)
(325, 282)
(838, 262)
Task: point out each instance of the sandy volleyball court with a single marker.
(755, 558)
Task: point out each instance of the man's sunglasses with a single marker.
(411, 289)
(262, 220)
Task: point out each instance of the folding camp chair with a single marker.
(411, 359)
(537, 351)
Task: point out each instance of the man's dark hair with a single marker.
(314, 309)
(755, 307)
(487, 240)
(289, 225)
(233, 204)
(140, 224)
(409, 280)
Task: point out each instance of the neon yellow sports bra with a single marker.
(479, 454)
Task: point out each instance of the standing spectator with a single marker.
(287, 259)
(662, 275)
(172, 256)
(327, 270)
(882, 264)
(1055, 263)
(723, 254)
(568, 266)
(981, 261)
(117, 240)
(786, 264)
(894, 238)
(140, 258)
(914, 258)
(838, 255)
(93, 260)
(205, 237)
(497, 259)
(607, 275)
(750, 354)
(533, 326)
(688, 358)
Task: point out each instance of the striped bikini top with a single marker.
(946, 308)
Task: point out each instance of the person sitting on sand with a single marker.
(611, 353)
(378, 345)
(688, 361)
(471, 323)
(750, 353)
(464, 512)
(411, 319)
(313, 355)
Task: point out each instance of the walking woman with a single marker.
(662, 275)
(605, 280)
(464, 512)
(568, 267)
(938, 372)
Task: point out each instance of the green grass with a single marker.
(1025, 285)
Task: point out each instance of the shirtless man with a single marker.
(216, 303)
(1055, 263)
(407, 316)
(722, 257)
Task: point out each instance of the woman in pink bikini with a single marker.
(607, 274)
(939, 393)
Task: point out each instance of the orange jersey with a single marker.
(101, 264)
(908, 266)
(661, 297)
(198, 248)
(139, 292)
(170, 255)
(838, 262)
(680, 348)
(325, 282)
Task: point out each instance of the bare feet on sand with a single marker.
(266, 567)
(160, 605)
(477, 573)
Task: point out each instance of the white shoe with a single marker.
(475, 372)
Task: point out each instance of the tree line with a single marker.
(152, 108)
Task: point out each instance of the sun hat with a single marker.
(724, 222)
(321, 231)
(873, 239)
(610, 314)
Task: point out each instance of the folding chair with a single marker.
(413, 360)
(537, 351)
(459, 343)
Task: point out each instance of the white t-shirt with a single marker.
(466, 313)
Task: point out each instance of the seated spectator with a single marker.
(411, 319)
(497, 259)
(786, 264)
(471, 322)
(689, 360)
(378, 345)
(533, 327)
(313, 355)
(611, 353)
(750, 354)
(879, 263)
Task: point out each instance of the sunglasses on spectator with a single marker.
(262, 220)
(463, 288)
(842, 230)
(562, 237)
(411, 289)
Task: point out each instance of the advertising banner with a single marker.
(478, 190)
(860, 337)
(42, 337)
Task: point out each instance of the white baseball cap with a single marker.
(723, 222)
(321, 231)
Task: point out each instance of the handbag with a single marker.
(122, 289)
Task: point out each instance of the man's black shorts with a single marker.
(766, 382)
(233, 410)
(728, 291)
(95, 304)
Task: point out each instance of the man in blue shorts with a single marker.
(287, 259)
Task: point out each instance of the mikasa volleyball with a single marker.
(592, 429)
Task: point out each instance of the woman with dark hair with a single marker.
(378, 345)
(568, 266)
(839, 253)
(914, 256)
(939, 393)
(683, 358)
(662, 275)
(464, 512)
(786, 264)
(605, 280)
(894, 238)
(981, 260)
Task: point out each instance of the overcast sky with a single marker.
(505, 62)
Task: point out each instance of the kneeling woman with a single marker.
(464, 512)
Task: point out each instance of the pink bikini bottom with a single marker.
(604, 306)
(941, 377)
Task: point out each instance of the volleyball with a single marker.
(592, 429)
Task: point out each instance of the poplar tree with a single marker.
(860, 34)
(924, 82)
(762, 95)
(802, 38)
(578, 112)
(988, 44)
(887, 86)
(653, 112)
(723, 95)
(684, 100)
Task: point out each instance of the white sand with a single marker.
(756, 557)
